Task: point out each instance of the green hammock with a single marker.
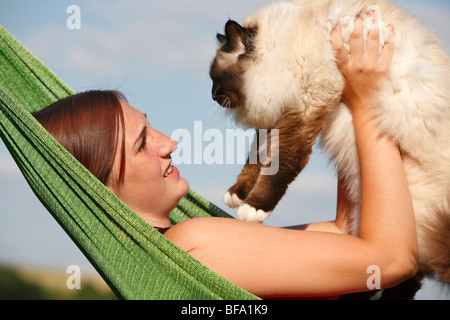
(134, 259)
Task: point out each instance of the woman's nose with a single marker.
(165, 145)
(173, 145)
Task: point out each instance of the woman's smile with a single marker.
(171, 172)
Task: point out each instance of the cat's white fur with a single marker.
(295, 62)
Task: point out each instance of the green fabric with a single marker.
(134, 259)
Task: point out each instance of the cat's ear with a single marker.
(235, 37)
(222, 38)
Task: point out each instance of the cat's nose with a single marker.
(219, 98)
(215, 92)
(216, 97)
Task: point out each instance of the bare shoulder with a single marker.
(191, 233)
(214, 233)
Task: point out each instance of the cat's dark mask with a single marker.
(226, 69)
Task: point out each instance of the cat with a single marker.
(278, 71)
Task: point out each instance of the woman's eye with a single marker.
(142, 146)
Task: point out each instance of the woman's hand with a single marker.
(364, 69)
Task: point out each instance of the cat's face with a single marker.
(269, 65)
(228, 66)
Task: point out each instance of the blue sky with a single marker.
(158, 54)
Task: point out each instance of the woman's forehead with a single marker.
(133, 116)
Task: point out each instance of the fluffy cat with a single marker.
(278, 71)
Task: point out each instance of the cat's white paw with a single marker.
(232, 200)
(248, 213)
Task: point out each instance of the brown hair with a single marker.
(87, 125)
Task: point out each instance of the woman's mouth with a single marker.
(171, 172)
(168, 171)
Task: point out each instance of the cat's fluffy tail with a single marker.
(438, 245)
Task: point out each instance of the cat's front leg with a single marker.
(237, 194)
(246, 180)
(288, 153)
(265, 195)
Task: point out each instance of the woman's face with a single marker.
(152, 187)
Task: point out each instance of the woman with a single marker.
(133, 160)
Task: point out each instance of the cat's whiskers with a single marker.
(227, 103)
(221, 115)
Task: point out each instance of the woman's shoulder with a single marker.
(190, 233)
(207, 231)
(196, 225)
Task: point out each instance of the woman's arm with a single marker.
(383, 181)
(269, 261)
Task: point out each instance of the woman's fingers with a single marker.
(363, 54)
(357, 41)
(386, 53)
(338, 45)
(373, 45)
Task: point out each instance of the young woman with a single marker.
(115, 142)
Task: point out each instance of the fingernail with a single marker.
(374, 22)
(370, 13)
